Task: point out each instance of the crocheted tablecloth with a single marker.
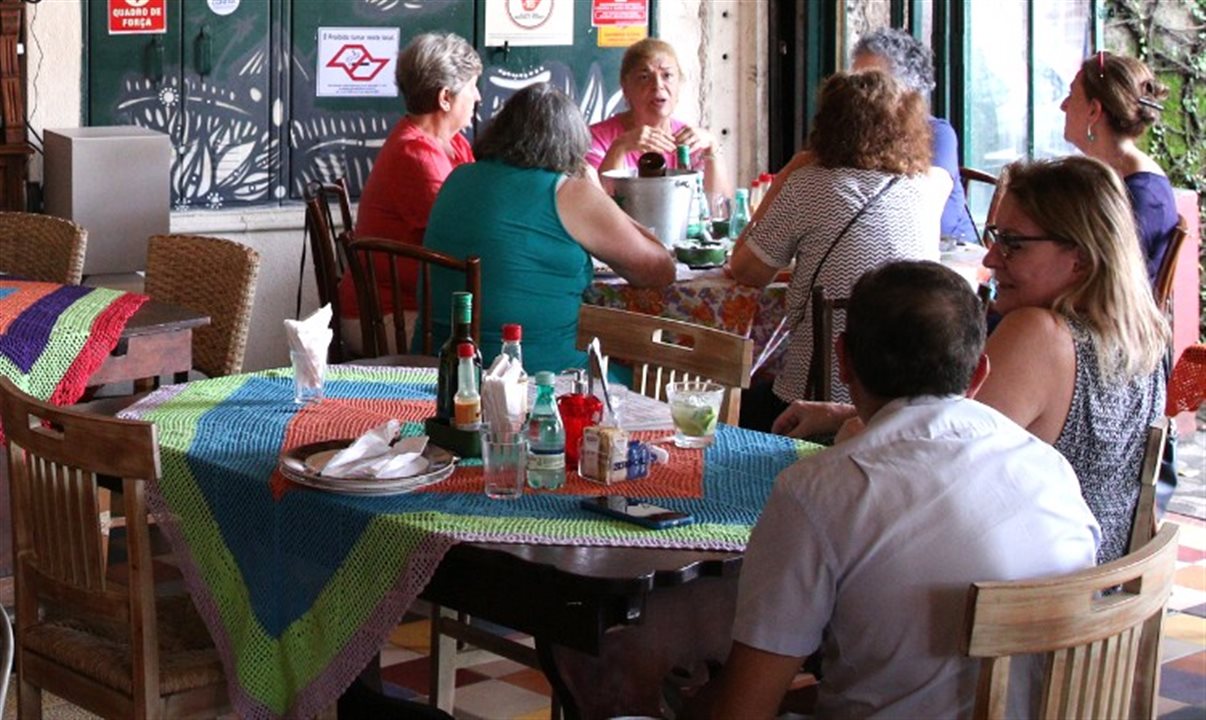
(299, 587)
(53, 337)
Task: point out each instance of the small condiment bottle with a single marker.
(512, 336)
(741, 213)
(467, 404)
(579, 410)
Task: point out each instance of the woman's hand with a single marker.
(804, 418)
(697, 139)
(645, 138)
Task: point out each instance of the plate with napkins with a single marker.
(376, 463)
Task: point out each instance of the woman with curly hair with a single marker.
(1113, 100)
(863, 193)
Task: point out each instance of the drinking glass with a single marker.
(694, 407)
(505, 461)
(308, 377)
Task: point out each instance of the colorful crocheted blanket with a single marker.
(53, 337)
(299, 587)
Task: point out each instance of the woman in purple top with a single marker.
(650, 77)
(912, 64)
(1113, 100)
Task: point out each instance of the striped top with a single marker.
(806, 217)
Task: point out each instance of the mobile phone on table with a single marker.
(635, 511)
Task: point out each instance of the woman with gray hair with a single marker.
(437, 74)
(899, 54)
(534, 215)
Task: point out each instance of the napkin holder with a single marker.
(463, 443)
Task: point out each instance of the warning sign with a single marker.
(137, 17)
(619, 12)
(357, 62)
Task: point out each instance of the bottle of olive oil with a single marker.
(462, 332)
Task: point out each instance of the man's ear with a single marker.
(979, 375)
(845, 372)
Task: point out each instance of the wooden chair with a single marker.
(1096, 663)
(1143, 527)
(362, 254)
(210, 275)
(819, 384)
(1168, 265)
(42, 247)
(109, 646)
(967, 176)
(328, 255)
(663, 351)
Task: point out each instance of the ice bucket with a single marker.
(659, 203)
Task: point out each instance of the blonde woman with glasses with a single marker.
(1076, 358)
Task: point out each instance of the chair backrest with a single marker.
(663, 351)
(54, 458)
(1187, 384)
(819, 384)
(366, 257)
(327, 252)
(42, 247)
(1143, 527)
(967, 176)
(1163, 288)
(1092, 642)
(210, 275)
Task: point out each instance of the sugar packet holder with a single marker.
(609, 456)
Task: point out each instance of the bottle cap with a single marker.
(462, 299)
(684, 157)
(464, 350)
(544, 377)
(766, 177)
(512, 332)
(742, 193)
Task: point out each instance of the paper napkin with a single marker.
(375, 454)
(310, 338)
(504, 394)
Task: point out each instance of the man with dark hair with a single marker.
(869, 546)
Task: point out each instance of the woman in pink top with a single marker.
(437, 74)
(650, 77)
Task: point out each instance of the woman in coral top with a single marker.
(437, 74)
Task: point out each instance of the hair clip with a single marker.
(1101, 54)
(1159, 107)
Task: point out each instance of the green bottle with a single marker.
(462, 332)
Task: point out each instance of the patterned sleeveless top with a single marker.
(1103, 439)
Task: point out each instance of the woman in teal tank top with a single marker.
(534, 215)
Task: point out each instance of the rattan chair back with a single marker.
(42, 247)
(210, 275)
(105, 644)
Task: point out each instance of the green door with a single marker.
(206, 82)
(333, 136)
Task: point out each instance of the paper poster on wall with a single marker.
(528, 23)
(619, 12)
(357, 61)
(621, 36)
(137, 17)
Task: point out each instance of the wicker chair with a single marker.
(213, 276)
(42, 247)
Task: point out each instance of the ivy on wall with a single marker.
(1171, 38)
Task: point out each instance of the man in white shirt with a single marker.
(868, 548)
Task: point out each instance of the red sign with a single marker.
(134, 17)
(357, 62)
(619, 12)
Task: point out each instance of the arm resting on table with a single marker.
(603, 230)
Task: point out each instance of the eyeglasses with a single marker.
(1008, 244)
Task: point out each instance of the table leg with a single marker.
(682, 626)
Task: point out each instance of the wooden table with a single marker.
(300, 588)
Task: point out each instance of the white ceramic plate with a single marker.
(303, 465)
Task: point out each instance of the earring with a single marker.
(1089, 134)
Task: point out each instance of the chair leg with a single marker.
(29, 701)
(442, 689)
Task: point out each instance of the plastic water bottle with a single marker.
(741, 213)
(546, 438)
